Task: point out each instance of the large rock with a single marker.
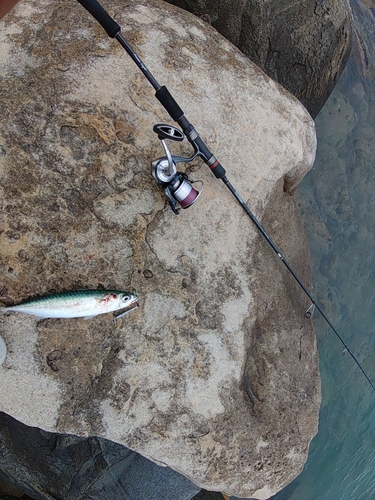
(303, 45)
(47, 466)
(216, 374)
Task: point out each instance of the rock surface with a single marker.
(216, 374)
(303, 45)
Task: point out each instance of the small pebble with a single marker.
(3, 350)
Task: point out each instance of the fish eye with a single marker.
(125, 298)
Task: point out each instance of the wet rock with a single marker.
(302, 45)
(46, 466)
(216, 373)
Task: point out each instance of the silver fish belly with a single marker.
(75, 304)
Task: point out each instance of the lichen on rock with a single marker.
(216, 374)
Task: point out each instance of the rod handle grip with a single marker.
(167, 100)
(102, 16)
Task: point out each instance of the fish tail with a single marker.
(3, 308)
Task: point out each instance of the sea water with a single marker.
(337, 200)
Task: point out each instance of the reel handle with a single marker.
(168, 132)
(103, 18)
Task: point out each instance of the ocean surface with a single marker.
(337, 200)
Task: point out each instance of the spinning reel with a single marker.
(178, 186)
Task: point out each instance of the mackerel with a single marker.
(75, 304)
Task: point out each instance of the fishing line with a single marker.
(178, 187)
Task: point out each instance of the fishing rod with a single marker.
(178, 186)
